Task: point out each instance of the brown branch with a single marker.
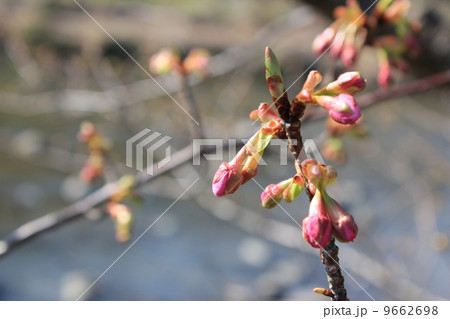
(57, 218)
(380, 95)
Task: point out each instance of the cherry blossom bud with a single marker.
(312, 171)
(342, 108)
(292, 191)
(264, 113)
(344, 226)
(272, 194)
(87, 131)
(273, 75)
(316, 226)
(93, 168)
(313, 80)
(123, 219)
(333, 149)
(226, 180)
(164, 61)
(348, 55)
(347, 83)
(384, 75)
(196, 62)
(323, 40)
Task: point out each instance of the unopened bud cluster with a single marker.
(387, 29)
(326, 217)
(98, 147)
(168, 59)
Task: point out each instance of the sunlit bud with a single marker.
(312, 171)
(313, 80)
(347, 83)
(316, 226)
(197, 61)
(226, 180)
(271, 128)
(164, 61)
(323, 291)
(292, 191)
(250, 167)
(264, 113)
(123, 219)
(342, 108)
(323, 40)
(344, 226)
(273, 75)
(330, 175)
(272, 194)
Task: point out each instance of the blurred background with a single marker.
(59, 68)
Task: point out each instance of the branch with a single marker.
(380, 95)
(79, 208)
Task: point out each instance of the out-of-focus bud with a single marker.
(264, 113)
(396, 10)
(338, 45)
(348, 55)
(316, 226)
(93, 168)
(344, 225)
(342, 108)
(333, 150)
(87, 131)
(384, 77)
(124, 188)
(226, 180)
(272, 194)
(164, 61)
(197, 61)
(347, 83)
(123, 219)
(323, 40)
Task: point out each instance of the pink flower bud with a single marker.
(316, 226)
(384, 75)
(226, 180)
(323, 40)
(344, 226)
(348, 55)
(348, 83)
(272, 194)
(292, 191)
(164, 61)
(197, 61)
(313, 80)
(264, 113)
(341, 108)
